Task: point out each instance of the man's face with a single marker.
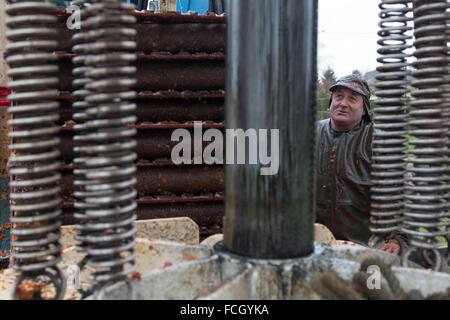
(346, 109)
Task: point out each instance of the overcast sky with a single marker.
(348, 35)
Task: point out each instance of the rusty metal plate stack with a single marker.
(181, 71)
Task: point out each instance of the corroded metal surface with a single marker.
(168, 32)
(167, 180)
(163, 72)
(206, 210)
(180, 80)
(208, 215)
(159, 106)
(153, 139)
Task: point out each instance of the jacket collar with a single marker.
(337, 133)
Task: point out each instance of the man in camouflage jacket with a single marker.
(343, 160)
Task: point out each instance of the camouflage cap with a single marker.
(354, 83)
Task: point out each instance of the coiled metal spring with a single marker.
(104, 142)
(427, 206)
(34, 164)
(390, 118)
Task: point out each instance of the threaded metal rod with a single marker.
(270, 85)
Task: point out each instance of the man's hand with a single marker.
(392, 246)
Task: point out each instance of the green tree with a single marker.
(325, 81)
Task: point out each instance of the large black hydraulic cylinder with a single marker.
(271, 74)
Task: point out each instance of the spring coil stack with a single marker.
(427, 206)
(34, 162)
(390, 118)
(104, 142)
